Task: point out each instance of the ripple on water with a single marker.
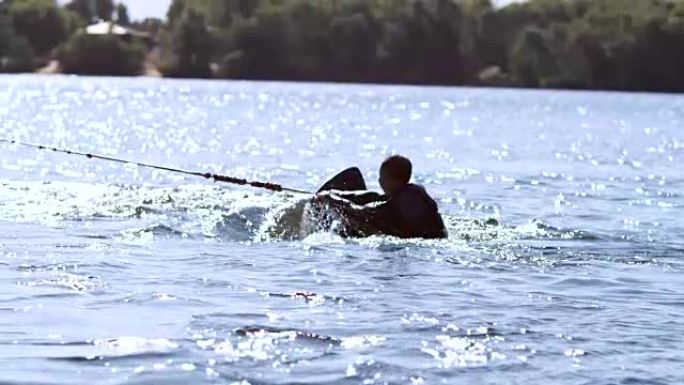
(563, 266)
(71, 282)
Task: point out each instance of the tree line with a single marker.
(579, 44)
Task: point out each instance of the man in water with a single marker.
(404, 211)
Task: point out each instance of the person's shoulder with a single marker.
(415, 189)
(417, 192)
(411, 192)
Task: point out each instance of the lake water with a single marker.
(113, 274)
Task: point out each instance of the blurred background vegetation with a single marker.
(580, 44)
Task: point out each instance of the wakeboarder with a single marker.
(405, 210)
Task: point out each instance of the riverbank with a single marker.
(580, 44)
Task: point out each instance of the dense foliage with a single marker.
(101, 55)
(42, 22)
(90, 10)
(32, 30)
(593, 44)
(189, 46)
(607, 44)
(16, 54)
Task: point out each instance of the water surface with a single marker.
(113, 274)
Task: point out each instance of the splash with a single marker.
(143, 214)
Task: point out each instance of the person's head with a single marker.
(395, 173)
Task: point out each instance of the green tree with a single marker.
(532, 59)
(427, 42)
(151, 25)
(16, 54)
(175, 11)
(259, 49)
(620, 43)
(122, 14)
(308, 36)
(191, 47)
(42, 22)
(655, 40)
(354, 42)
(91, 10)
(101, 55)
(538, 43)
(292, 40)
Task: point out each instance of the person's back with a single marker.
(412, 213)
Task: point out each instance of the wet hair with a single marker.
(398, 167)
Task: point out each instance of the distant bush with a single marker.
(16, 54)
(594, 44)
(102, 9)
(101, 55)
(190, 47)
(586, 44)
(42, 22)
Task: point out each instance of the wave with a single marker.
(140, 214)
(291, 334)
(119, 348)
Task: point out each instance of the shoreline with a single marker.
(153, 73)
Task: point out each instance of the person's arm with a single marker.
(370, 218)
(361, 198)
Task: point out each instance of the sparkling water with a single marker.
(564, 263)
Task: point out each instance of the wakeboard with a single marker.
(308, 216)
(321, 217)
(350, 179)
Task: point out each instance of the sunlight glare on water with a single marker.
(563, 265)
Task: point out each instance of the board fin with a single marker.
(350, 179)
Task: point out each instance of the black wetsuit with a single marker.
(409, 213)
